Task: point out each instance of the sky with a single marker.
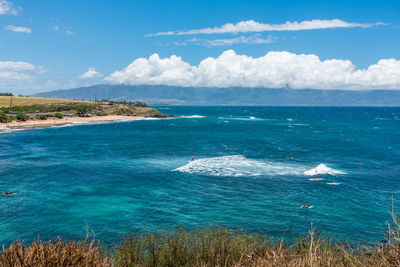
(47, 45)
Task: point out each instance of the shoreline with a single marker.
(31, 124)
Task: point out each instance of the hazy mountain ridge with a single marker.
(158, 94)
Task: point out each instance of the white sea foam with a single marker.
(73, 123)
(10, 130)
(238, 166)
(323, 169)
(243, 118)
(194, 116)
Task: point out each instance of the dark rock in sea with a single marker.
(160, 116)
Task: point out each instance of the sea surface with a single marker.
(251, 171)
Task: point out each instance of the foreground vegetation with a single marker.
(206, 247)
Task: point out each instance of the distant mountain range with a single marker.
(156, 94)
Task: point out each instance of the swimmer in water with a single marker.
(192, 157)
(7, 193)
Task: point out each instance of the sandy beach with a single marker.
(59, 122)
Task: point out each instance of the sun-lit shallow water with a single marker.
(251, 171)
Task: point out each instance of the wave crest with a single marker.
(323, 169)
(237, 166)
(194, 116)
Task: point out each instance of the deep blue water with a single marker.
(119, 177)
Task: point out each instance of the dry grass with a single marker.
(207, 247)
(37, 104)
(57, 253)
(5, 101)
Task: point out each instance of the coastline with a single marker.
(30, 124)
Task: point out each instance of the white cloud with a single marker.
(68, 32)
(169, 71)
(22, 77)
(253, 39)
(41, 70)
(13, 73)
(254, 26)
(56, 28)
(16, 66)
(273, 70)
(18, 29)
(6, 8)
(91, 73)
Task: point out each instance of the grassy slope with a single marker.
(203, 247)
(115, 109)
(26, 101)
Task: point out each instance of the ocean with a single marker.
(250, 172)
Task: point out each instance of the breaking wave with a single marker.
(251, 118)
(323, 169)
(194, 116)
(238, 166)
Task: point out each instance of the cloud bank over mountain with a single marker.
(91, 73)
(273, 70)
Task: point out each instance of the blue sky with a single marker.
(62, 40)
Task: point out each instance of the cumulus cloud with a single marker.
(22, 77)
(6, 8)
(253, 39)
(18, 29)
(91, 73)
(254, 26)
(16, 66)
(14, 73)
(56, 28)
(68, 32)
(273, 70)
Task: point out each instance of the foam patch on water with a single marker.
(323, 169)
(237, 166)
(244, 118)
(10, 130)
(194, 116)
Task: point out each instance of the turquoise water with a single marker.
(121, 177)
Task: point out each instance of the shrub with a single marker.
(3, 117)
(84, 109)
(21, 117)
(200, 247)
(59, 115)
(41, 117)
(101, 113)
(124, 111)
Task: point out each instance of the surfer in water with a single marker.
(7, 193)
(192, 157)
(306, 207)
